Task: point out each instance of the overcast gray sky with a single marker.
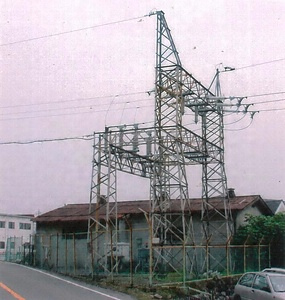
(68, 68)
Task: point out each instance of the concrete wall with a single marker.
(241, 216)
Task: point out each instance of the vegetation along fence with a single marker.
(72, 254)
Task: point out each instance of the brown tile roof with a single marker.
(80, 212)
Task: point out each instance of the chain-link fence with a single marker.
(20, 250)
(73, 254)
(129, 257)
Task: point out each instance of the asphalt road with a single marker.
(25, 283)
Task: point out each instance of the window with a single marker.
(278, 283)
(2, 224)
(247, 280)
(77, 236)
(260, 283)
(2, 245)
(11, 225)
(25, 226)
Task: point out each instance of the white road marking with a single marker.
(72, 283)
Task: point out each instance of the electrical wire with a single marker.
(260, 64)
(70, 107)
(271, 109)
(266, 94)
(110, 104)
(226, 124)
(88, 137)
(123, 111)
(68, 114)
(240, 129)
(70, 31)
(108, 96)
(236, 111)
(74, 100)
(269, 101)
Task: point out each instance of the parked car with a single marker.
(260, 286)
(274, 270)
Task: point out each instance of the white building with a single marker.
(15, 231)
(276, 206)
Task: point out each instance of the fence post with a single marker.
(207, 256)
(30, 245)
(111, 253)
(24, 258)
(50, 248)
(131, 251)
(57, 252)
(15, 249)
(34, 250)
(227, 254)
(244, 254)
(74, 255)
(259, 253)
(269, 254)
(66, 253)
(92, 254)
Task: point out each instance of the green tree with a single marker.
(257, 228)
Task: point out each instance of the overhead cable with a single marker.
(226, 124)
(266, 94)
(84, 138)
(70, 107)
(87, 137)
(75, 100)
(269, 101)
(69, 114)
(69, 31)
(239, 129)
(271, 109)
(259, 64)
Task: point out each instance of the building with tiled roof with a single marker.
(62, 233)
(74, 217)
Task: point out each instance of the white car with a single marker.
(274, 270)
(260, 286)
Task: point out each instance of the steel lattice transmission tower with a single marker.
(174, 82)
(162, 153)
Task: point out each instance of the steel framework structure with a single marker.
(161, 153)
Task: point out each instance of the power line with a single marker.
(240, 128)
(271, 109)
(70, 107)
(226, 124)
(70, 114)
(110, 104)
(70, 31)
(84, 138)
(107, 104)
(266, 94)
(259, 64)
(87, 137)
(109, 96)
(75, 100)
(265, 102)
(108, 109)
(269, 101)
